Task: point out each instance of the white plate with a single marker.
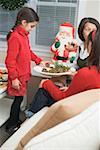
(39, 70)
(3, 68)
(4, 76)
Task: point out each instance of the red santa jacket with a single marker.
(85, 79)
(19, 55)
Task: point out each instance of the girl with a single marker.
(85, 27)
(18, 60)
(50, 93)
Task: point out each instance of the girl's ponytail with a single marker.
(27, 14)
(13, 28)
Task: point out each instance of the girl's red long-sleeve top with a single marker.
(19, 55)
(85, 79)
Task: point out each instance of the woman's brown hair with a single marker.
(82, 24)
(94, 58)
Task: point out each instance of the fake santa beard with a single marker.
(65, 33)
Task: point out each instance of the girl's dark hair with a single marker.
(27, 14)
(94, 58)
(82, 24)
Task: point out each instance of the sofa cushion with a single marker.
(61, 111)
(78, 133)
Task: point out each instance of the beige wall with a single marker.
(93, 9)
(89, 8)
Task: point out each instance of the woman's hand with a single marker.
(71, 46)
(16, 84)
(64, 88)
(41, 83)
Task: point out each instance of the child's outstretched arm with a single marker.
(35, 58)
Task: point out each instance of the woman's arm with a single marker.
(53, 90)
(77, 85)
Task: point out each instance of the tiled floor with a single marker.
(5, 105)
(3, 134)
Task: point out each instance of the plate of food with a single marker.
(3, 75)
(53, 70)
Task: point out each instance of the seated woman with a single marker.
(86, 26)
(85, 79)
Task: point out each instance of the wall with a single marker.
(88, 8)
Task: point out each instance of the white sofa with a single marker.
(80, 132)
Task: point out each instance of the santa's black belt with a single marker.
(61, 58)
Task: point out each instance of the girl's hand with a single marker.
(41, 83)
(16, 84)
(43, 63)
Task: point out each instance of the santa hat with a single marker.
(65, 26)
